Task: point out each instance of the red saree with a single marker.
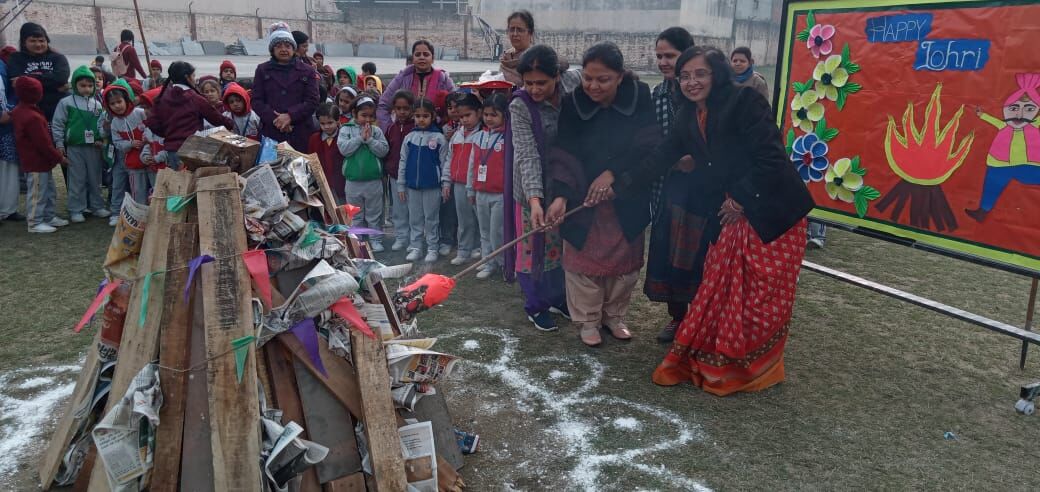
(733, 336)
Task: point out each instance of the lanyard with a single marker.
(491, 150)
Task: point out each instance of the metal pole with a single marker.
(1029, 322)
(140, 27)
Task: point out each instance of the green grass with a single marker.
(872, 384)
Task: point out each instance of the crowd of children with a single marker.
(402, 174)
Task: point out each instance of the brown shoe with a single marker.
(590, 336)
(667, 334)
(619, 332)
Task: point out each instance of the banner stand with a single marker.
(1030, 310)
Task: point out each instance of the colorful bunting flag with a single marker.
(103, 293)
(241, 348)
(176, 203)
(307, 333)
(256, 264)
(193, 266)
(145, 291)
(346, 310)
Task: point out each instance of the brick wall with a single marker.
(225, 28)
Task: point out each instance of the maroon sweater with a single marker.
(395, 137)
(133, 63)
(331, 162)
(178, 114)
(32, 137)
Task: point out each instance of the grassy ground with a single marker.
(872, 384)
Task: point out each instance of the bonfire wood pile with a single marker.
(254, 388)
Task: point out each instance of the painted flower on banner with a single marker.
(819, 42)
(844, 182)
(806, 110)
(830, 76)
(809, 155)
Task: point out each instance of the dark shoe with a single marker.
(562, 311)
(978, 214)
(543, 321)
(667, 335)
(15, 217)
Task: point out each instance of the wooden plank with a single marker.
(82, 482)
(282, 389)
(175, 340)
(330, 425)
(196, 453)
(68, 424)
(341, 380)
(384, 443)
(233, 409)
(140, 344)
(349, 483)
(434, 408)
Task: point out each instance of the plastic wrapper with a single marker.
(121, 260)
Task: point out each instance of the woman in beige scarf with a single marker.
(521, 32)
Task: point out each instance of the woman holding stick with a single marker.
(753, 206)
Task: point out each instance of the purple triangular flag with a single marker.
(193, 266)
(307, 334)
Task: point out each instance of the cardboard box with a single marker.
(221, 148)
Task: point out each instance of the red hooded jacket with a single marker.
(246, 123)
(178, 113)
(32, 137)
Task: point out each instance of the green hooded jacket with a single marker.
(76, 117)
(351, 71)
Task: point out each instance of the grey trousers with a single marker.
(85, 165)
(489, 217)
(424, 208)
(398, 214)
(141, 182)
(468, 234)
(8, 188)
(120, 182)
(369, 196)
(39, 198)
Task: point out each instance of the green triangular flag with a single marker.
(241, 347)
(144, 298)
(176, 203)
(310, 236)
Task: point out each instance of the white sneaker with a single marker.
(413, 255)
(485, 273)
(42, 228)
(476, 254)
(102, 214)
(431, 257)
(58, 222)
(398, 245)
(460, 259)
(445, 249)
(77, 218)
(113, 220)
(377, 247)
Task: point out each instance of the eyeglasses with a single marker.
(699, 75)
(516, 30)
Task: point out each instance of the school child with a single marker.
(76, 133)
(153, 155)
(346, 77)
(486, 179)
(179, 110)
(228, 74)
(368, 68)
(240, 112)
(418, 180)
(324, 142)
(453, 176)
(363, 145)
(128, 137)
(344, 101)
(210, 88)
(373, 84)
(403, 105)
(37, 156)
(155, 78)
(116, 176)
(449, 218)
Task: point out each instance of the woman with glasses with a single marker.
(521, 33)
(752, 204)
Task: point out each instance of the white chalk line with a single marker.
(576, 433)
(23, 418)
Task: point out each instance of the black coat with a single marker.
(593, 139)
(743, 157)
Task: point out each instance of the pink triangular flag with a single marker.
(256, 263)
(98, 299)
(346, 310)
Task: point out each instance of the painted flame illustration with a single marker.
(926, 156)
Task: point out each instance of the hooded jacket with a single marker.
(461, 151)
(379, 83)
(127, 128)
(76, 117)
(50, 68)
(224, 83)
(360, 158)
(489, 153)
(395, 137)
(246, 124)
(178, 113)
(351, 72)
(424, 151)
(153, 144)
(36, 152)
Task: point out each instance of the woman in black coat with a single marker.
(752, 205)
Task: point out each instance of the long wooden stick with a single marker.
(140, 27)
(1029, 322)
(483, 261)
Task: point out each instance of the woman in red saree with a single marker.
(749, 248)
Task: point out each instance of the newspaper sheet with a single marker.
(262, 195)
(322, 287)
(286, 456)
(415, 365)
(125, 437)
(121, 260)
(375, 315)
(420, 459)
